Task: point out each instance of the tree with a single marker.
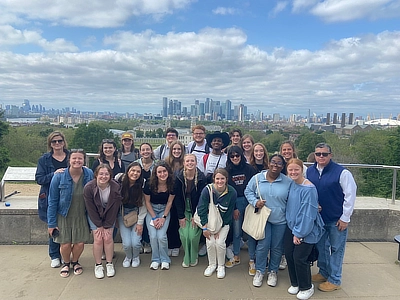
(4, 154)
(89, 136)
(306, 144)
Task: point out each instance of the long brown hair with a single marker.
(265, 158)
(132, 194)
(154, 178)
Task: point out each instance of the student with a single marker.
(162, 151)
(108, 154)
(128, 151)
(199, 145)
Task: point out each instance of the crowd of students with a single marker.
(164, 189)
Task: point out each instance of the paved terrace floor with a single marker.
(369, 272)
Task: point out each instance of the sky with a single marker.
(284, 57)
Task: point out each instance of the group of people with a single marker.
(168, 187)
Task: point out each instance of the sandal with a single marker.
(78, 270)
(64, 272)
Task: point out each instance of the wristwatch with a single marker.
(164, 216)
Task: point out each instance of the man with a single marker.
(216, 158)
(162, 151)
(199, 145)
(336, 195)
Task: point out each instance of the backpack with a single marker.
(207, 149)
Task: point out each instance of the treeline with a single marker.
(22, 146)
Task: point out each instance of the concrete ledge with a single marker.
(374, 219)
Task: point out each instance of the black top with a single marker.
(59, 164)
(156, 198)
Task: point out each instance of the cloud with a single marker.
(141, 68)
(345, 10)
(225, 11)
(280, 6)
(89, 13)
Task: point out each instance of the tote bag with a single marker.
(254, 221)
(214, 224)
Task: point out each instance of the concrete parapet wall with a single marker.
(374, 219)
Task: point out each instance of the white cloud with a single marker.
(89, 13)
(280, 6)
(143, 67)
(225, 11)
(347, 10)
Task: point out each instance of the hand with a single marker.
(260, 203)
(341, 225)
(207, 234)
(296, 240)
(236, 214)
(139, 229)
(60, 170)
(50, 230)
(107, 233)
(182, 223)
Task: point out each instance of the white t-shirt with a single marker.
(213, 162)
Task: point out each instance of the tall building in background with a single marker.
(343, 120)
(207, 106)
(328, 118)
(241, 113)
(228, 110)
(351, 118)
(165, 107)
(335, 118)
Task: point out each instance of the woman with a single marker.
(224, 197)
(108, 154)
(132, 200)
(240, 174)
(52, 162)
(128, 151)
(102, 199)
(159, 195)
(188, 186)
(247, 146)
(272, 190)
(147, 162)
(288, 151)
(304, 229)
(175, 161)
(259, 157)
(67, 212)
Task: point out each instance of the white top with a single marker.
(213, 162)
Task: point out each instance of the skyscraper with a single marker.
(165, 107)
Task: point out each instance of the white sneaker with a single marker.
(221, 272)
(203, 250)
(110, 270)
(184, 265)
(258, 279)
(164, 266)
(175, 252)
(304, 295)
(99, 271)
(55, 263)
(293, 290)
(283, 263)
(229, 253)
(154, 265)
(146, 248)
(135, 262)
(252, 268)
(272, 278)
(195, 263)
(127, 262)
(209, 271)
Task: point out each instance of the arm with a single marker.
(89, 197)
(142, 213)
(41, 176)
(307, 213)
(349, 188)
(54, 198)
(202, 207)
(115, 202)
(250, 191)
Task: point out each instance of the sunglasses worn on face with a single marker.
(235, 155)
(57, 141)
(324, 154)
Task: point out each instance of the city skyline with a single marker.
(283, 57)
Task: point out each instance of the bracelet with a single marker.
(154, 218)
(204, 229)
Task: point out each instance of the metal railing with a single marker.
(364, 166)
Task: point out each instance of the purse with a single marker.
(215, 222)
(255, 220)
(129, 219)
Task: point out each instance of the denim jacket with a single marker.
(60, 194)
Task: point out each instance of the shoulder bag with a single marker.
(255, 219)
(129, 219)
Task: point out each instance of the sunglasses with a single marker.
(276, 163)
(324, 154)
(108, 141)
(57, 141)
(234, 155)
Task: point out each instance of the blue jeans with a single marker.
(241, 204)
(54, 249)
(131, 241)
(331, 249)
(271, 244)
(158, 237)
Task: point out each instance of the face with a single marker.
(247, 144)
(162, 173)
(134, 173)
(294, 171)
(176, 151)
(220, 181)
(103, 176)
(198, 135)
(235, 158)
(108, 149)
(287, 151)
(276, 165)
(189, 162)
(57, 142)
(322, 160)
(235, 138)
(145, 151)
(216, 143)
(259, 152)
(127, 143)
(76, 160)
(171, 137)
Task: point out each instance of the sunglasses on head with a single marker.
(324, 154)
